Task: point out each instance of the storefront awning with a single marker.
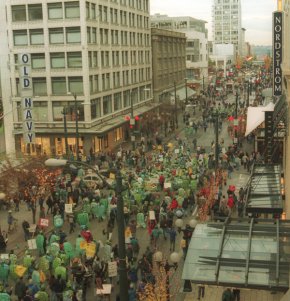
(181, 94)
(265, 192)
(245, 253)
(118, 121)
(256, 116)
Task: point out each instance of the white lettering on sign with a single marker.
(26, 93)
(277, 53)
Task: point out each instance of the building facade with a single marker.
(168, 61)
(227, 29)
(89, 60)
(197, 41)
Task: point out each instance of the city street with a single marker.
(239, 179)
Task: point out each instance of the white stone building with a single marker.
(97, 51)
(227, 26)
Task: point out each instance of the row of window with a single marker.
(71, 10)
(61, 85)
(64, 60)
(72, 35)
(99, 106)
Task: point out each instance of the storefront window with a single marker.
(98, 144)
(39, 148)
(118, 133)
(60, 145)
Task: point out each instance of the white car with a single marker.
(93, 181)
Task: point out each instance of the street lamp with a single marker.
(77, 123)
(64, 112)
(132, 121)
(175, 104)
(185, 90)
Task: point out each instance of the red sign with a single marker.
(43, 222)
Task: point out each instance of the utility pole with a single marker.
(132, 122)
(64, 112)
(175, 103)
(123, 282)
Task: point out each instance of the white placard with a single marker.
(32, 228)
(152, 215)
(106, 290)
(112, 269)
(4, 256)
(32, 244)
(68, 208)
(177, 151)
(167, 185)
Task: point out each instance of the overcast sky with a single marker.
(256, 15)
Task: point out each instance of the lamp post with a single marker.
(248, 95)
(175, 104)
(77, 123)
(216, 115)
(185, 90)
(132, 121)
(236, 119)
(64, 112)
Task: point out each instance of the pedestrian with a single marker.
(236, 294)
(71, 221)
(201, 291)
(20, 289)
(227, 295)
(161, 181)
(25, 227)
(172, 238)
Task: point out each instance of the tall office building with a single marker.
(227, 26)
(91, 55)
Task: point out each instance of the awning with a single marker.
(245, 253)
(256, 116)
(181, 94)
(120, 120)
(265, 191)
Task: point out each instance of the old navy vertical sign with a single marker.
(277, 52)
(26, 93)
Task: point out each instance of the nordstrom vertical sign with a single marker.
(26, 95)
(277, 52)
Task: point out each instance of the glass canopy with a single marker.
(249, 253)
(264, 194)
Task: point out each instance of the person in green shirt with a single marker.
(227, 295)
(42, 295)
